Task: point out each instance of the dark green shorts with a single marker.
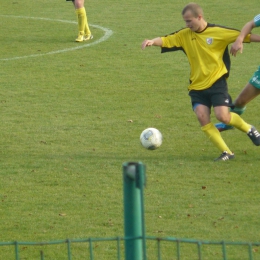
(255, 79)
(216, 95)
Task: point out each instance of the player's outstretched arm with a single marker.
(255, 38)
(154, 42)
(238, 44)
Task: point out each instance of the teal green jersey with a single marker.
(257, 20)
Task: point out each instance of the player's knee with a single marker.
(223, 118)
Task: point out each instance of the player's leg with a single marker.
(87, 32)
(222, 114)
(229, 118)
(220, 101)
(80, 12)
(221, 126)
(249, 92)
(83, 27)
(78, 3)
(203, 115)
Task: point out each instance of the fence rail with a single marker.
(175, 245)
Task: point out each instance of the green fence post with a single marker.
(42, 255)
(134, 222)
(16, 243)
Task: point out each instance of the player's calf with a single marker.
(223, 127)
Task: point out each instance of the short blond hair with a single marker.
(194, 8)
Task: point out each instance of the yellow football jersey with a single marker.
(207, 52)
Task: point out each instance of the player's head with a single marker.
(192, 14)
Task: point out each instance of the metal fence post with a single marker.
(134, 222)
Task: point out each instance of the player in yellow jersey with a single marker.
(84, 31)
(206, 47)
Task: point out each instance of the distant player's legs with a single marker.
(86, 29)
(83, 28)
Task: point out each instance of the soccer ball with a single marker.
(151, 138)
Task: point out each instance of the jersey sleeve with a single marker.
(257, 20)
(171, 41)
(247, 38)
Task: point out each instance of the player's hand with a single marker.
(236, 46)
(147, 43)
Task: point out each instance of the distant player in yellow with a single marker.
(206, 47)
(84, 31)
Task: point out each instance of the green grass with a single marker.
(65, 131)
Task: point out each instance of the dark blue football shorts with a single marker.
(216, 95)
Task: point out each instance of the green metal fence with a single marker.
(175, 243)
(135, 245)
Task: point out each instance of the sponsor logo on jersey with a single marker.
(256, 80)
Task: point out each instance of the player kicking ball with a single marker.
(203, 43)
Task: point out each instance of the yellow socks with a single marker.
(86, 29)
(239, 123)
(214, 136)
(82, 21)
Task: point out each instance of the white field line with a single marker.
(107, 34)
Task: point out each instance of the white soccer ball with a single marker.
(151, 138)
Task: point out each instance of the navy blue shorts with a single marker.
(216, 95)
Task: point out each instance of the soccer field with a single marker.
(72, 114)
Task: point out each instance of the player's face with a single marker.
(194, 23)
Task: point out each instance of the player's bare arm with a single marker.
(154, 42)
(254, 38)
(238, 44)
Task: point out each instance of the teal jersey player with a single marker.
(257, 20)
(252, 88)
(255, 79)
